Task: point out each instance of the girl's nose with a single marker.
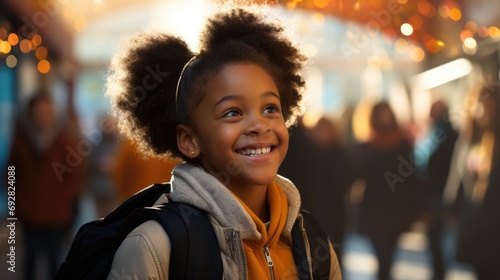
(257, 124)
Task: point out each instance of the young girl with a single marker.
(225, 112)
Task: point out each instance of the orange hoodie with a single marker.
(271, 243)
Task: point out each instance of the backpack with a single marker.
(93, 248)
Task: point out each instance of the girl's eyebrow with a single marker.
(237, 97)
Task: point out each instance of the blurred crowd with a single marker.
(445, 176)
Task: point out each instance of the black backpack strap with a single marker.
(319, 247)
(195, 250)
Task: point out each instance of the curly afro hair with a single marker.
(144, 74)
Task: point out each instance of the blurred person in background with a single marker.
(474, 183)
(99, 175)
(49, 172)
(388, 205)
(319, 165)
(132, 171)
(439, 145)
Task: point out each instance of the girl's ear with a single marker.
(186, 142)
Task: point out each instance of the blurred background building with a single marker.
(408, 53)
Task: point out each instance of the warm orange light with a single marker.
(494, 32)
(444, 11)
(417, 54)
(482, 31)
(5, 47)
(472, 26)
(13, 39)
(43, 66)
(455, 14)
(318, 19)
(291, 5)
(321, 3)
(36, 40)
(416, 22)
(41, 53)
(426, 8)
(3, 33)
(401, 45)
(465, 34)
(80, 23)
(25, 46)
(434, 46)
(69, 13)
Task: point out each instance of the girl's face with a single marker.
(239, 127)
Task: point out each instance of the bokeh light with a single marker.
(444, 11)
(406, 29)
(416, 21)
(3, 33)
(41, 53)
(470, 46)
(5, 47)
(464, 34)
(36, 40)
(13, 39)
(494, 32)
(43, 66)
(483, 31)
(472, 26)
(11, 61)
(426, 9)
(318, 19)
(455, 14)
(25, 46)
(321, 3)
(401, 45)
(417, 54)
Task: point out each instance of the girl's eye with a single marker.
(271, 109)
(231, 113)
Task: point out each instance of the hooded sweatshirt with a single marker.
(242, 237)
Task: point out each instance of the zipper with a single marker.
(269, 261)
(237, 236)
(308, 247)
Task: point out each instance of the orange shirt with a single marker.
(283, 264)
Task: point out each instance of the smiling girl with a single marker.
(225, 111)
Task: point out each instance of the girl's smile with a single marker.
(240, 122)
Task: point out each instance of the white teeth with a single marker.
(255, 152)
